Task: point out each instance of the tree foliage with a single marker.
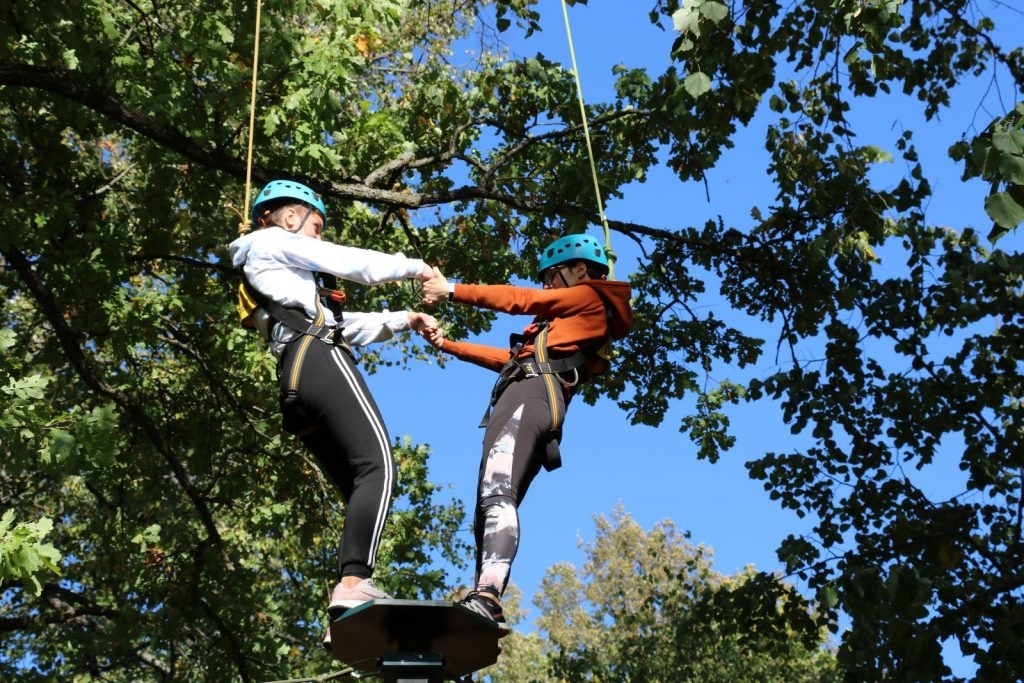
(23, 555)
(647, 606)
(142, 421)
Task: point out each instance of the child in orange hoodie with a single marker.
(578, 312)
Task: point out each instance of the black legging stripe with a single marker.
(383, 441)
(339, 421)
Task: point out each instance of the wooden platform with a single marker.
(414, 636)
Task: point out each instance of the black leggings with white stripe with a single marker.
(338, 420)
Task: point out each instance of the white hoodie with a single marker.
(281, 265)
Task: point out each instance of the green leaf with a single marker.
(23, 555)
(1011, 168)
(62, 446)
(226, 35)
(715, 11)
(7, 339)
(1008, 141)
(148, 536)
(1004, 210)
(686, 20)
(877, 155)
(697, 84)
(828, 597)
(32, 387)
(6, 522)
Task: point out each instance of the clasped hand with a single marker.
(435, 288)
(427, 326)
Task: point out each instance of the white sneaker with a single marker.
(343, 599)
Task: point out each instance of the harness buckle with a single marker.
(529, 369)
(318, 331)
(332, 336)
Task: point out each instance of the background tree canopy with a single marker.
(139, 416)
(646, 606)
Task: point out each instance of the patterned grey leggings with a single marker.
(513, 452)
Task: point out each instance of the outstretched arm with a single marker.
(547, 303)
(364, 266)
(489, 357)
(361, 329)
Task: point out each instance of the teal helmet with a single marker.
(574, 248)
(278, 192)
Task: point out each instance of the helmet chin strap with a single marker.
(561, 274)
(572, 267)
(305, 218)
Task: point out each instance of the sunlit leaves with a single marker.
(198, 540)
(697, 84)
(24, 557)
(687, 19)
(648, 606)
(905, 363)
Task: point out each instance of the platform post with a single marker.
(412, 667)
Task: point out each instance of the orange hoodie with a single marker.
(581, 317)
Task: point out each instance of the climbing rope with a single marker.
(333, 676)
(590, 150)
(246, 223)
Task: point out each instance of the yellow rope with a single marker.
(246, 223)
(590, 150)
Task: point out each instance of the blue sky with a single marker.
(653, 473)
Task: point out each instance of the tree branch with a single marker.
(68, 607)
(1012, 62)
(73, 86)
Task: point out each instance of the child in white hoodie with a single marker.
(289, 274)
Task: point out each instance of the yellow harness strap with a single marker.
(556, 401)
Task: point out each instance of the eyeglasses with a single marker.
(548, 274)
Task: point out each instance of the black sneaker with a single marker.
(486, 607)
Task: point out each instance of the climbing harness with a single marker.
(517, 368)
(258, 311)
(553, 438)
(299, 340)
(551, 370)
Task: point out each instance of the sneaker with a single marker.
(344, 599)
(487, 607)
